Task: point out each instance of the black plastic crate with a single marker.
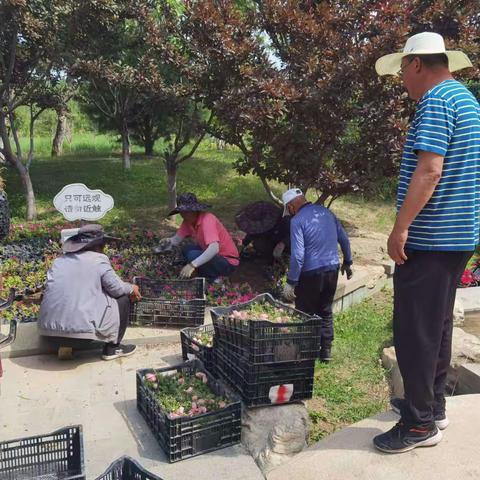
(169, 303)
(261, 341)
(191, 348)
(125, 468)
(56, 456)
(267, 384)
(187, 437)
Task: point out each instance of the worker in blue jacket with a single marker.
(314, 262)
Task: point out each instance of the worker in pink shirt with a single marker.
(214, 253)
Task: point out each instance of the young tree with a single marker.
(29, 45)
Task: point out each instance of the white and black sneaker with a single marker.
(441, 419)
(405, 437)
(111, 352)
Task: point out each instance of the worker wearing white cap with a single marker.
(312, 279)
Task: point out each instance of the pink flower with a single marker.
(467, 278)
(150, 377)
(202, 376)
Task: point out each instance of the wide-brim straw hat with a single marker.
(426, 43)
(187, 202)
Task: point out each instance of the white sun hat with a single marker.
(288, 196)
(426, 43)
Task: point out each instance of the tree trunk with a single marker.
(60, 133)
(125, 147)
(21, 169)
(148, 136)
(28, 189)
(149, 143)
(171, 182)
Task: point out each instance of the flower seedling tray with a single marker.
(169, 303)
(261, 341)
(189, 436)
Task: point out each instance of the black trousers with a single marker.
(124, 310)
(314, 295)
(424, 297)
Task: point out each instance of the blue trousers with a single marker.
(218, 266)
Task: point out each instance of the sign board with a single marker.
(77, 202)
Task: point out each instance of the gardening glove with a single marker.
(165, 245)
(278, 250)
(289, 292)
(187, 271)
(346, 269)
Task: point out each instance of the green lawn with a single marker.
(354, 385)
(139, 194)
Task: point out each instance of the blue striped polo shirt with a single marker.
(447, 122)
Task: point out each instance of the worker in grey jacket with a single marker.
(84, 298)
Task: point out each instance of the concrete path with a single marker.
(40, 394)
(349, 455)
(470, 298)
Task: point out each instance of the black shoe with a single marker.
(326, 355)
(402, 438)
(110, 352)
(441, 419)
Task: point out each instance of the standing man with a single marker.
(435, 232)
(314, 262)
(214, 253)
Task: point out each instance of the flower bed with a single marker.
(188, 411)
(227, 293)
(28, 252)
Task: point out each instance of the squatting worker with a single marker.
(435, 232)
(315, 233)
(84, 298)
(214, 253)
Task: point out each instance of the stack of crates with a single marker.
(267, 362)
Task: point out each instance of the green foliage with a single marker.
(179, 394)
(353, 386)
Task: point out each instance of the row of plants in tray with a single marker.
(183, 395)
